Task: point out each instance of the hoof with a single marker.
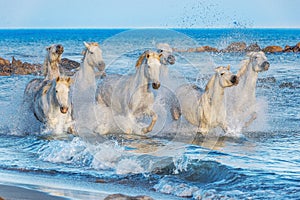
(145, 130)
(128, 131)
(175, 113)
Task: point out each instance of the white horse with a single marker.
(241, 100)
(83, 92)
(52, 105)
(167, 57)
(52, 59)
(207, 110)
(131, 96)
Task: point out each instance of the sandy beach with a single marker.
(17, 193)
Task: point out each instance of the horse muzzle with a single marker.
(59, 49)
(265, 65)
(171, 59)
(234, 80)
(64, 109)
(156, 85)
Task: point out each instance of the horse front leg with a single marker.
(154, 119)
(252, 118)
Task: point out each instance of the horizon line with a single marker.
(154, 27)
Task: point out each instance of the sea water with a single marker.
(261, 162)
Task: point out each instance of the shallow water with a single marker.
(261, 162)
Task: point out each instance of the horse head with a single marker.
(259, 61)
(54, 53)
(93, 55)
(226, 78)
(151, 61)
(62, 88)
(167, 53)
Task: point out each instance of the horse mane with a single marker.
(146, 54)
(210, 83)
(47, 87)
(140, 60)
(243, 69)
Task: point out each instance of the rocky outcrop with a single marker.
(253, 47)
(294, 49)
(68, 67)
(18, 67)
(125, 197)
(235, 47)
(206, 49)
(273, 49)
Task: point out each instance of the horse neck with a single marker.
(86, 67)
(53, 69)
(248, 79)
(216, 93)
(139, 79)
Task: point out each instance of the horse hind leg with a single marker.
(150, 127)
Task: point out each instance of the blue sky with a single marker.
(151, 13)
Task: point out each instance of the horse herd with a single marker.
(58, 101)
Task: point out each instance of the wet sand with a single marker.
(18, 193)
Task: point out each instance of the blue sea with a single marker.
(260, 162)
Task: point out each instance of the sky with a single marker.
(149, 13)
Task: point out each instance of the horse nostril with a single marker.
(234, 79)
(265, 65)
(171, 59)
(155, 85)
(64, 110)
(59, 49)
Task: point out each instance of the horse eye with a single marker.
(91, 52)
(160, 51)
(56, 91)
(222, 74)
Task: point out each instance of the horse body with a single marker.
(206, 111)
(241, 99)
(50, 71)
(51, 105)
(83, 92)
(131, 95)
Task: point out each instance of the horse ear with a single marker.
(57, 79)
(69, 80)
(86, 45)
(228, 67)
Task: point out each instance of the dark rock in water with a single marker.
(18, 67)
(4, 62)
(273, 49)
(253, 47)
(294, 49)
(68, 67)
(287, 85)
(125, 197)
(235, 47)
(206, 49)
(191, 50)
(267, 80)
